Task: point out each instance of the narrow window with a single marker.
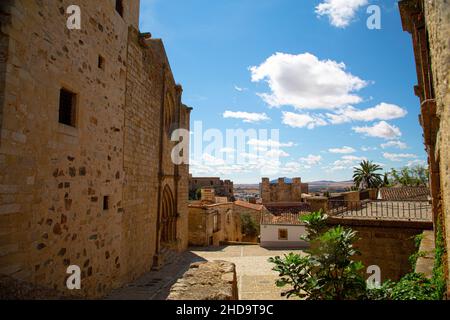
(67, 102)
(282, 234)
(101, 62)
(119, 7)
(106, 203)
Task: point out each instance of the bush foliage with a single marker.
(328, 270)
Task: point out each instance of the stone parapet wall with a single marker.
(387, 244)
(214, 280)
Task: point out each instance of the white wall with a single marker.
(269, 236)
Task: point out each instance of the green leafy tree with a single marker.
(249, 226)
(366, 176)
(386, 182)
(328, 271)
(315, 225)
(410, 177)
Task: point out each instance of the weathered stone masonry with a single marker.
(102, 194)
(429, 24)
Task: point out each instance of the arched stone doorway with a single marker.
(168, 218)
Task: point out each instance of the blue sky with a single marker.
(337, 91)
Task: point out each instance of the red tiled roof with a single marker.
(249, 205)
(405, 193)
(282, 219)
(280, 208)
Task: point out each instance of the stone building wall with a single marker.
(222, 188)
(428, 22)
(54, 178)
(254, 210)
(387, 244)
(437, 17)
(388, 248)
(282, 191)
(201, 224)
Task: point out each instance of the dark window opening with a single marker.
(101, 62)
(67, 101)
(106, 203)
(119, 7)
(282, 234)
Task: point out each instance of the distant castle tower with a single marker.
(282, 191)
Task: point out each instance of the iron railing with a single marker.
(391, 210)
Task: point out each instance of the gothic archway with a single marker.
(168, 217)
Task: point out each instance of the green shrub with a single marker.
(327, 272)
(249, 226)
(413, 286)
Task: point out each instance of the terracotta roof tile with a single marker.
(282, 219)
(249, 205)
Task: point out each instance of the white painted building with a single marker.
(282, 231)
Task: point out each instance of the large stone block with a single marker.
(214, 280)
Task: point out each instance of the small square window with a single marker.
(101, 62)
(119, 7)
(67, 103)
(282, 234)
(106, 203)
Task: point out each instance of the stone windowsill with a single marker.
(67, 130)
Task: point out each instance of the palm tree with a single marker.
(366, 175)
(386, 182)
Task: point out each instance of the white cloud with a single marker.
(248, 117)
(365, 149)
(340, 12)
(345, 163)
(212, 160)
(269, 143)
(291, 168)
(306, 82)
(228, 150)
(237, 88)
(344, 150)
(380, 130)
(382, 111)
(336, 168)
(394, 144)
(397, 157)
(311, 160)
(276, 154)
(296, 120)
(416, 162)
(349, 161)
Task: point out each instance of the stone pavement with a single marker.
(256, 280)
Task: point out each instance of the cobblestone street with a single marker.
(256, 280)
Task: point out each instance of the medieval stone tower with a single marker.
(86, 116)
(282, 191)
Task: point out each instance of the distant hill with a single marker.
(330, 183)
(315, 184)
